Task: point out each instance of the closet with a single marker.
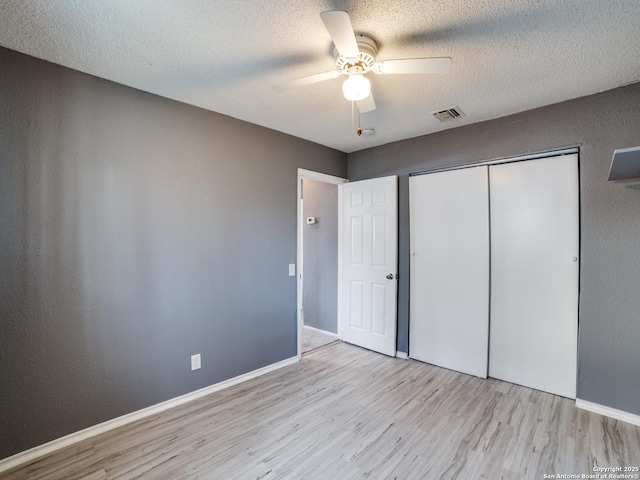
(494, 271)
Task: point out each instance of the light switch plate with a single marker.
(292, 269)
(195, 362)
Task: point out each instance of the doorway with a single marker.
(318, 253)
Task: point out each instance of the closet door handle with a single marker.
(390, 276)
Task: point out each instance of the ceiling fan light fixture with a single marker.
(356, 87)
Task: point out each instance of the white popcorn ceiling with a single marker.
(508, 56)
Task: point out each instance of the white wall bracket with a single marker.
(625, 165)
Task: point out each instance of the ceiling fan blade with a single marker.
(414, 65)
(368, 104)
(308, 80)
(339, 27)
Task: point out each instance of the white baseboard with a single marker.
(36, 452)
(331, 334)
(402, 355)
(609, 412)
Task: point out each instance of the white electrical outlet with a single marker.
(292, 269)
(195, 362)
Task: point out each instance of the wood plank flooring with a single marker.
(313, 339)
(344, 412)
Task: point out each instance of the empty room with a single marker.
(319, 240)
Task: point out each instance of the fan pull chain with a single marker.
(354, 130)
(353, 120)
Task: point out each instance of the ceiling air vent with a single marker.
(448, 114)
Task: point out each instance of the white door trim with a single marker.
(320, 177)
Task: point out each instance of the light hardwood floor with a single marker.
(313, 339)
(344, 412)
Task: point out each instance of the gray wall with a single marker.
(134, 232)
(320, 246)
(609, 336)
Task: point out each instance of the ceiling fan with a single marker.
(355, 57)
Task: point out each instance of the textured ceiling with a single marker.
(508, 56)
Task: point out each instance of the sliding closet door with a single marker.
(449, 237)
(534, 273)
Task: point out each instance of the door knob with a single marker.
(390, 276)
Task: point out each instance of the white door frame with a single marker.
(320, 177)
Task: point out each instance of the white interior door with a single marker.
(369, 263)
(534, 273)
(449, 235)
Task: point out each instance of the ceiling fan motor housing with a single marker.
(365, 59)
(355, 54)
